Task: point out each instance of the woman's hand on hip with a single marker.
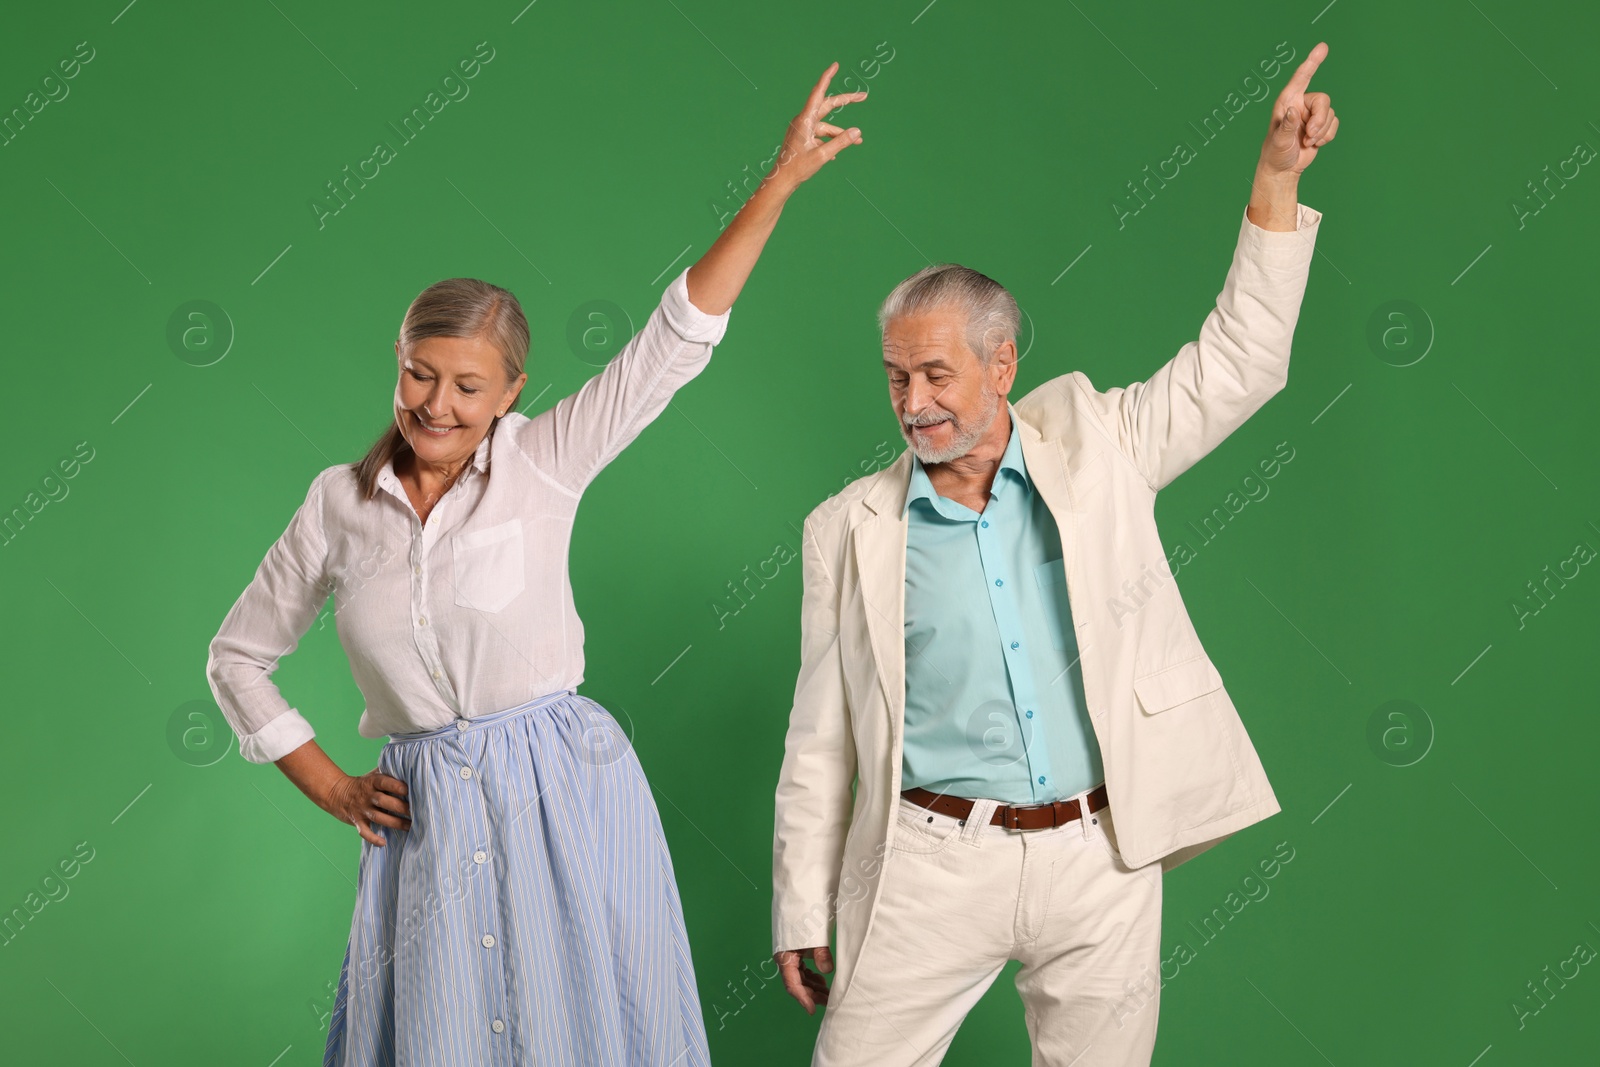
(370, 798)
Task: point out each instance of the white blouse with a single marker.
(472, 612)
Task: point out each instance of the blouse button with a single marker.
(417, 569)
(422, 620)
(466, 772)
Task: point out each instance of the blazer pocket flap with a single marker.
(1171, 686)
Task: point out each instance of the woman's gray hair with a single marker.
(992, 314)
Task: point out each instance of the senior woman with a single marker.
(516, 901)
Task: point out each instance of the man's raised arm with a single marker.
(1241, 358)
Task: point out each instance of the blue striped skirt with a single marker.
(529, 916)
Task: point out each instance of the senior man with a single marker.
(995, 653)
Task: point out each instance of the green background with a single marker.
(1436, 870)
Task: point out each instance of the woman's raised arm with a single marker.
(573, 439)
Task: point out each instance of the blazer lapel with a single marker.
(1046, 462)
(880, 550)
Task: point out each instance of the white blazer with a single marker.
(1180, 770)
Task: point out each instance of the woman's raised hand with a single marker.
(370, 798)
(717, 277)
(803, 152)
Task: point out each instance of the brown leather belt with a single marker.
(1032, 817)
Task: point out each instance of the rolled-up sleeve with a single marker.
(576, 437)
(264, 625)
(690, 322)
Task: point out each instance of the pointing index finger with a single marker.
(1302, 74)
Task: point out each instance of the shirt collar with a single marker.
(922, 489)
(480, 458)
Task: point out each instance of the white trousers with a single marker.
(959, 901)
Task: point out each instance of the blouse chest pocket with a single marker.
(488, 566)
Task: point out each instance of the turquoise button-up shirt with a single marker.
(994, 691)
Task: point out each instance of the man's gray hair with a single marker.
(992, 314)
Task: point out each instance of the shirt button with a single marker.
(1030, 713)
(421, 621)
(984, 523)
(998, 582)
(480, 856)
(417, 569)
(488, 941)
(497, 1026)
(436, 674)
(1016, 644)
(1041, 779)
(466, 772)
(461, 724)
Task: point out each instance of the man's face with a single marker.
(944, 397)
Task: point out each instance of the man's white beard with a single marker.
(963, 437)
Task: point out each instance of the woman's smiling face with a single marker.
(450, 391)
